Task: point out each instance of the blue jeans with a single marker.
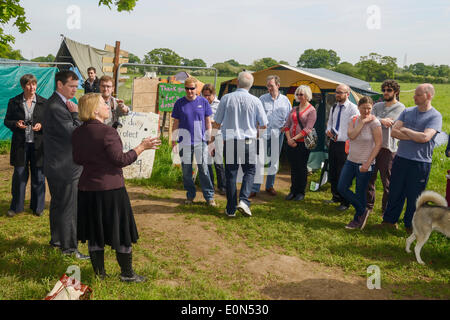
(19, 183)
(408, 179)
(241, 153)
(357, 199)
(201, 155)
(272, 159)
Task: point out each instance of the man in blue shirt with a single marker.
(416, 128)
(277, 107)
(192, 126)
(239, 113)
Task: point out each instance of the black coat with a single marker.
(95, 86)
(16, 112)
(59, 124)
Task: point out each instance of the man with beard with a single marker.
(340, 115)
(387, 112)
(117, 107)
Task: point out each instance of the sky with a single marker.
(246, 30)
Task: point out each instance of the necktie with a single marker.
(338, 122)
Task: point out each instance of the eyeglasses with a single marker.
(187, 88)
(387, 90)
(341, 92)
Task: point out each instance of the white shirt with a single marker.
(350, 109)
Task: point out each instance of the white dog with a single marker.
(428, 218)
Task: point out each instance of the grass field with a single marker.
(307, 230)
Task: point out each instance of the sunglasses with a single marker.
(387, 90)
(299, 94)
(187, 88)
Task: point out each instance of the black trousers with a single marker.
(336, 160)
(298, 159)
(220, 172)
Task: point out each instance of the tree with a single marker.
(263, 63)
(376, 67)
(283, 62)
(8, 53)
(48, 58)
(226, 69)
(233, 63)
(194, 63)
(347, 68)
(320, 58)
(163, 56)
(12, 11)
(133, 58)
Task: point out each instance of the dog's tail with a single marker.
(432, 196)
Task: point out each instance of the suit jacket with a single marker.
(16, 112)
(98, 148)
(59, 124)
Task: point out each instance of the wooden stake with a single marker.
(116, 66)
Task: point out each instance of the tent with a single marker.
(83, 56)
(10, 87)
(323, 84)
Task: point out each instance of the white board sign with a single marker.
(135, 127)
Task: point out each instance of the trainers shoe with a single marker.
(188, 201)
(211, 203)
(363, 219)
(271, 191)
(134, 278)
(386, 225)
(290, 196)
(244, 209)
(342, 208)
(353, 225)
(299, 197)
(230, 214)
(330, 201)
(11, 213)
(38, 214)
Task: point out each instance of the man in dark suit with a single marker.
(60, 120)
(24, 118)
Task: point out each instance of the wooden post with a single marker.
(116, 66)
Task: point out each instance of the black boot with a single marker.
(127, 274)
(98, 262)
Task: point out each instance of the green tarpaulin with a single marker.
(10, 87)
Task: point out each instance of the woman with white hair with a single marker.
(300, 122)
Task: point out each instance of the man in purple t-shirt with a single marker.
(192, 130)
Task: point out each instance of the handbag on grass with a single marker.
(68, 288)
(311, 138)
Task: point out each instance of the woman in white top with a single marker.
(364, 132)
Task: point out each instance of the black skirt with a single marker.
(106, 217)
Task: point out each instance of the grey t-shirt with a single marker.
(415, 120)
(380, 111)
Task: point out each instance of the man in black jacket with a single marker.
(60, 120)
(24, 118)
(92, 83)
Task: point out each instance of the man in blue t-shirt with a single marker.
(416, 128)
(192, 127)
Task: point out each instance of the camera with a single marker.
(28, 122)
(116, 125)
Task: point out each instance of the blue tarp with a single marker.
(10, 87)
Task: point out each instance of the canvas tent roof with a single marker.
(82, 56)
(291, 75)
(355, 83)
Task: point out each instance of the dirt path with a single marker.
(273, 275)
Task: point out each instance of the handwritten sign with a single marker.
(168, 94)
(135, 127)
